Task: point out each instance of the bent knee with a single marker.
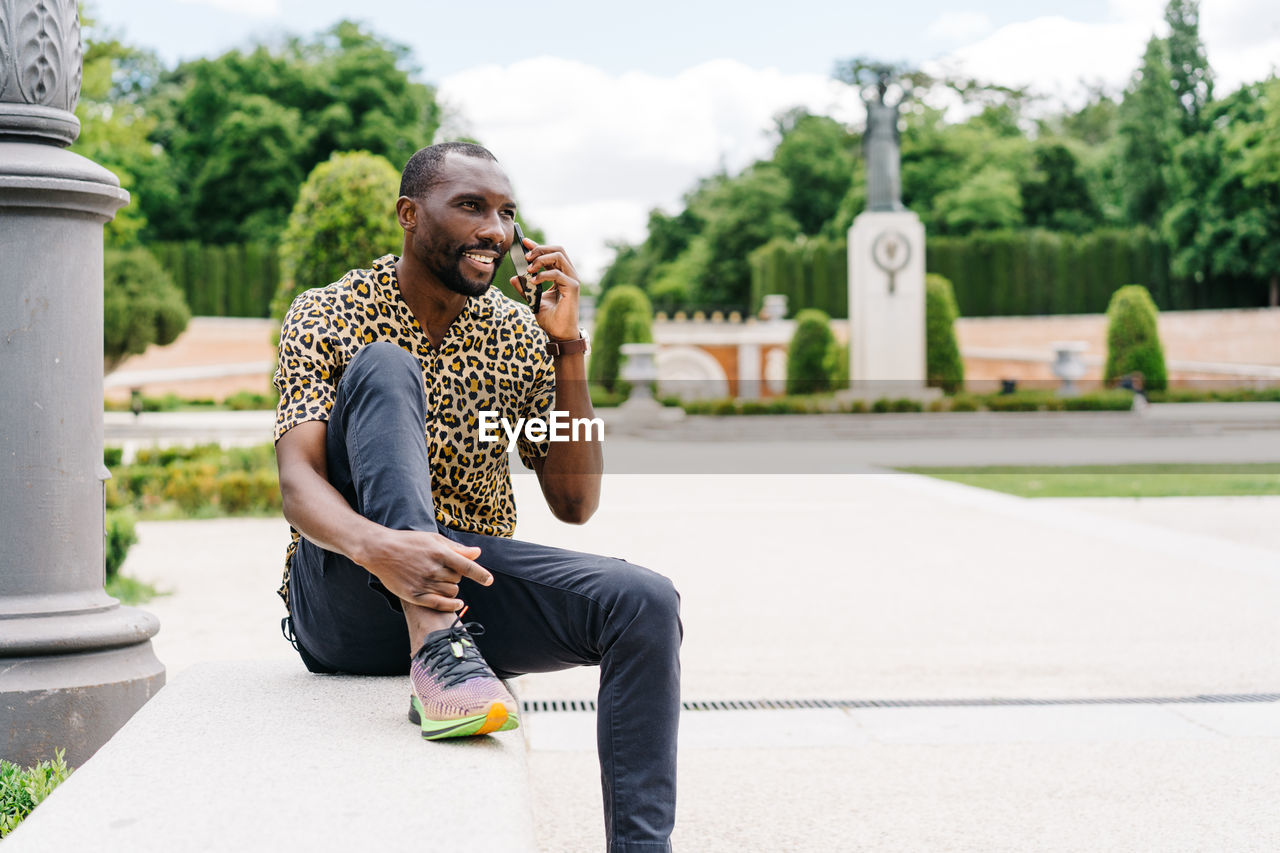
(652, 594)
(377, 358)
(382, 363)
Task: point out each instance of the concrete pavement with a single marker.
(886, 587)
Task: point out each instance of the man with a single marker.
(404, 513)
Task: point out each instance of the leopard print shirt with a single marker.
(493, 357)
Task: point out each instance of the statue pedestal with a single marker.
(886, 305)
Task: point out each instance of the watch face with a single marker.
(891, 251)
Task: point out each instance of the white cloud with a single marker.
(590, 153)
(953, 27)
(1242, 38)
(252, 8)
(1054, 55)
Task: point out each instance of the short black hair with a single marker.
(422, 172)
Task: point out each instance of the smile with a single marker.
(480, 259)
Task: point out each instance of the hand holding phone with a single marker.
(521, 263)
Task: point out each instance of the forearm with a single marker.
(319, 512)
(572, 469)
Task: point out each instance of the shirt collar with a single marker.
(476, 311)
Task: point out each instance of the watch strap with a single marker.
(558, 348)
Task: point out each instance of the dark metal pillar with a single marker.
(74, 664)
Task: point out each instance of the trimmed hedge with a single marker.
(1133, 339)
(812, 354)
(1001, 273)
(235, 280)
(625, 316)
(943, 366)
(344, 219)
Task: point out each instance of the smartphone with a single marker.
(521, 263)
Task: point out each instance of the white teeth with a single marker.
(484, 259)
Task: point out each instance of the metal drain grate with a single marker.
(540, 706)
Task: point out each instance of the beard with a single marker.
(449, 272)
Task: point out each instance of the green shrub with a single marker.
(21, 790)
(140, 305)
(602, 399)
(1025, 401)
(240, 492)
(249, 401)
(1216, 395)
(1116, 400)
(121, 536)
(344, 218)
(838, 366)
(192, 486)
(264, 490)
(943, 366)
(1133, 340)
(624, 317)
(112, 456)
(235, 492)
(809, 355)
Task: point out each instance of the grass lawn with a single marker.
(1118, 481)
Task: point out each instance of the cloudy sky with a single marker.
(603, 111)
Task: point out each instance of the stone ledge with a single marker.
(266, 756)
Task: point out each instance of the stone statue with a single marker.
(880, 145)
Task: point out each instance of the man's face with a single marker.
(465, 224)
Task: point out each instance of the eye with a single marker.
(470, 205)
(509, 214)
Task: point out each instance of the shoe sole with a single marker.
(496, 719)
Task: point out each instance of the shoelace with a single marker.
(452, 657)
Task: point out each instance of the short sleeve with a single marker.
(307, 373)
(537, 404)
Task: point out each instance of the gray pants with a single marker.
(548, 609)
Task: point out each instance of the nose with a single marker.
(493, 230)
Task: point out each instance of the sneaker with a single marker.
(455, 693)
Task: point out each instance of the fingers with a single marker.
(460, 562)
(434, 601)
(558, 279)
(550, 257)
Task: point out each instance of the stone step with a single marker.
(266, 756)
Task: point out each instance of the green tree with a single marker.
(944, 367)
(624, 317)
(1056, 195)
(301, 101)
(989, 200)
(741, 213)
(1190, 74)
(964, 177)
(811, 355)
(1226, 224)
(816, 156)
(141, 305)
(114, 128)
(246, 187)
(344, 218)
(1133, 338)
(1150, 122)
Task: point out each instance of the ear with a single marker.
(407, 213)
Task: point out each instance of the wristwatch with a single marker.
(581, 344)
